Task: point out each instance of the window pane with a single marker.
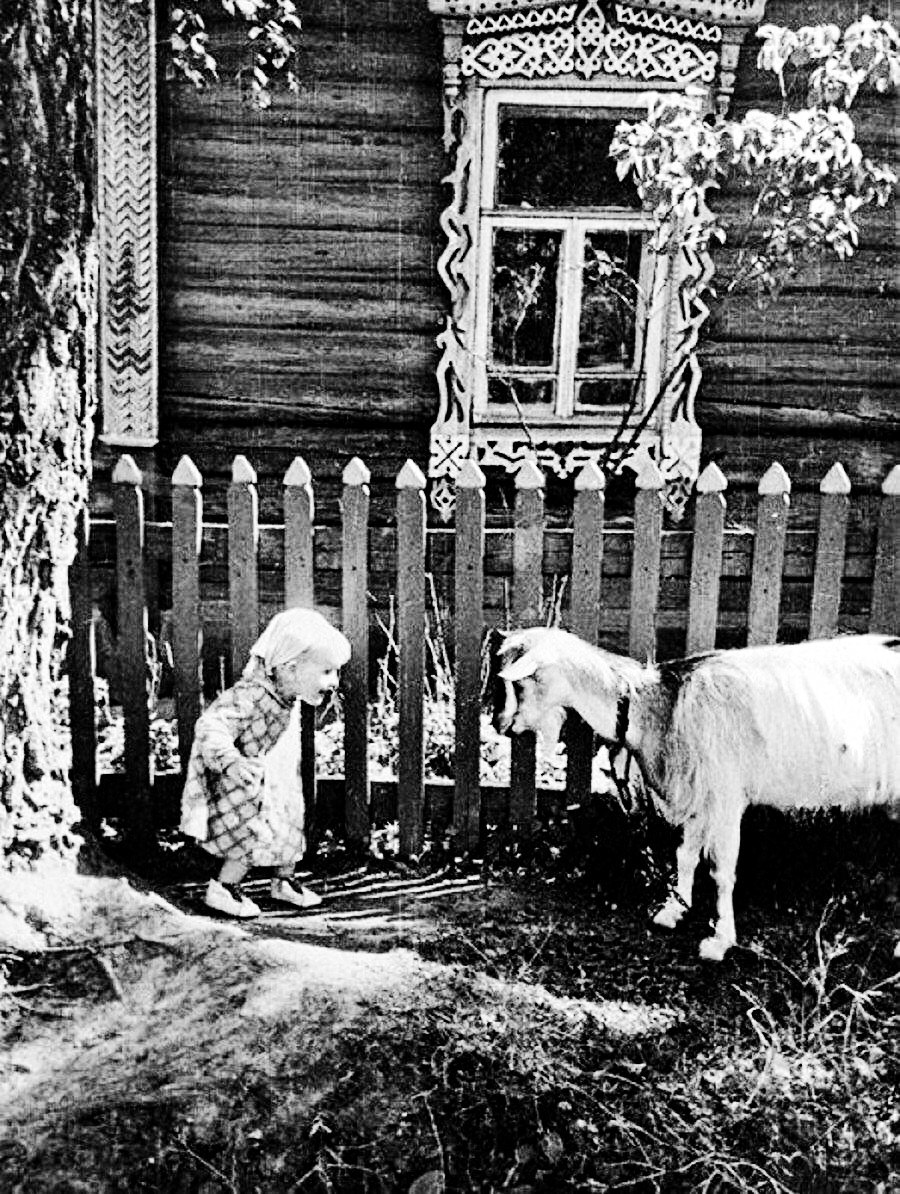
(506, 391)
(553, 160)
(523, 297)
(605, 392)
(609, 299)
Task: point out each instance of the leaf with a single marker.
(553, 1147)
(431, 1182)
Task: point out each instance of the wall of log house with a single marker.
(299, 301)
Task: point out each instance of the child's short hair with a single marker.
(293, 633)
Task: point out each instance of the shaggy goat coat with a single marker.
(812, 725)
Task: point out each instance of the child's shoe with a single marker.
(229, 901)
(282, 891)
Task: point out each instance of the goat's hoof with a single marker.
(714, 949)
(668, 916)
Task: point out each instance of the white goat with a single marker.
(813, 725)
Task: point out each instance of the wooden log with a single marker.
(411, 633)
(527, 597)
(645, 568)
(885, 613)
(768, 556)
(468, 628)
(299, 552)
(243, 544)
(82, 664)
(187, 532)
(831, 545)
(706, 561)
(584, 613)
(132, 641)
(355, 676)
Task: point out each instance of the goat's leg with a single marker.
(724, 846)
(687, 857)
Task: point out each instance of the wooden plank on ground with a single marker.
(243, 544)
(645, 567)
(885, 613)
(128, 501)
(527, 598)
(468, 631)
(831, 542)
(299, 589)
(187, 532)
(706, 560)
(411, 634)
(587, 569)
(355, 676)
(768, 556)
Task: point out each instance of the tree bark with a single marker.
(47, 400)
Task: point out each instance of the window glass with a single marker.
(555, 160)
(610, 294)
(605, 391)
(523, 296)
(508, 391)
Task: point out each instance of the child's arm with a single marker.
(216, 732)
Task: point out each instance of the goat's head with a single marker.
(535, 691)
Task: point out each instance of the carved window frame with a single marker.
(551, 55)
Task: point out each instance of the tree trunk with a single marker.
(47, 400)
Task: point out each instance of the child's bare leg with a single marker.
(233, 872)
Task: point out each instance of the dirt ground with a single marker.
(444, 1030)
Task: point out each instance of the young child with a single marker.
(242, 797)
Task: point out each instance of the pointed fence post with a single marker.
(527, 598)
(768, 556)
(243, 548)
(128, 503)
(187, 532)
(645, 566)
(587, 571)
(299, 544)
(355, 676)
(82, 661)
(411, 633)
(468, 632)
(706, 560)
(885, 612)
(831, 542)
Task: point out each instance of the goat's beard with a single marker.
(550, 728)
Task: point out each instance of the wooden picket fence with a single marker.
(464, 803)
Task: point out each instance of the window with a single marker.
(566, 324)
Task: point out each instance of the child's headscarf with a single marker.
(291, 633)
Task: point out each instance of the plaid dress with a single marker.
(261, 823)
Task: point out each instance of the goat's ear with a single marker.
(520, 669)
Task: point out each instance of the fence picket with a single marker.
(831, 541)
(82, 663)
(187, 531)
(243, 545)
(527, 597)
(128, 502)
(768, 556)
(587, 569)
(468, 630)
(885, 612)
(706, 560)
(355, 676)
(411, 635)
(299, 541)
(648, 513)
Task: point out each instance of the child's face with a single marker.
(311, 677)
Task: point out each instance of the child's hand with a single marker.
(247, 771)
